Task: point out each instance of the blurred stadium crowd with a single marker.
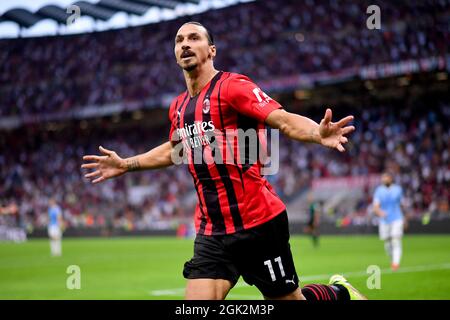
(61, 73)
(39, 76)
(38, 164)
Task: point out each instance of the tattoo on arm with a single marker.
(133, 165)
(312, 136)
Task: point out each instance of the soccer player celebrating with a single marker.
(387, 201)
(242, 225)
(54, 227)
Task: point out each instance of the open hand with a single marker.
(332, 134)
(109, 165)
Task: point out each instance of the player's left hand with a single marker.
(332, 134)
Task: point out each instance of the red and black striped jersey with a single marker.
(232, 193)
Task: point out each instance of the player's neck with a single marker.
(197, 79)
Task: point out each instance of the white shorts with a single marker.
(54, 232)
(391, 230)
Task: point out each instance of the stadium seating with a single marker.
(40, 163)
(57, 74)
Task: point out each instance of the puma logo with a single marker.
(291, 281)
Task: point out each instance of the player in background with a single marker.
(55, 225)
(312, 228)
(242, 225)
(387, 205)
(11, 227)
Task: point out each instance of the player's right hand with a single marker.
(382, 214)
(109, 165)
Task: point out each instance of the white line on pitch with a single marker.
(353, 274)
(356, 274)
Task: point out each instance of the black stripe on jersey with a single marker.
(203, 218)
(202, 226)
(225, 175)
(220, 108)
(218, 223)
(209, 189)
(228, 145)
(245, 123)
(178, 110)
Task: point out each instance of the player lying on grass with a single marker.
(242, 225)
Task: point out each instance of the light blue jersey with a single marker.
(389, 199)
(53, 214)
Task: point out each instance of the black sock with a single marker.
(320, 292)
(341, 292)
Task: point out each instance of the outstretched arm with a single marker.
(110, 165)
(327, 133)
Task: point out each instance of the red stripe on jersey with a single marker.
(234, 220)
(209, 187)
(201, 218)
(223, 199)
(198, 117)
(232, 196)
(205, 228)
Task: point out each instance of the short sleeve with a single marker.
(248, 99)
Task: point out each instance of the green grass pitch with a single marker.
(151, 268)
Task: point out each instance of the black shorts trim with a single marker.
(261, 255)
